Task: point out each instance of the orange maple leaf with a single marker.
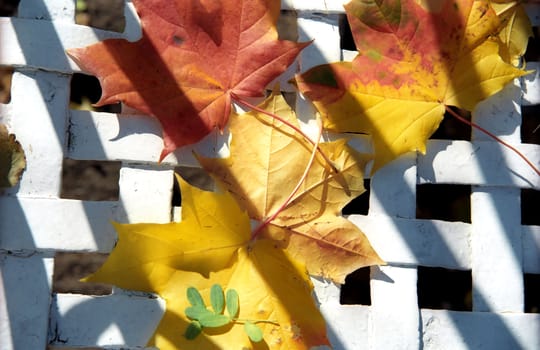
(192, 55)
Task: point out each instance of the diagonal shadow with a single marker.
(150, 59)
(159, 75)
(440, 21)
(429, 248)
(24, 288)
(505, 217)
(441, 29)
(14, 296)
(18, 297)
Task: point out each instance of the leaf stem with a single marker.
(239, 100)
(244, 320)
(493, 136)
(263, 224)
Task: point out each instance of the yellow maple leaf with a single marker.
(268, 160)
(414, 58)
(211, 246)
(516, 30)
(270, 288)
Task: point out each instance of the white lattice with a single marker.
(35, 223)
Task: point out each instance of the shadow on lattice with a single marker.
(441, 202)
(530, 133)
(91, 180)
(440, 288)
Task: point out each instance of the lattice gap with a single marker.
(533, 49)
(345, 34)
(529, 207)
(85, 90)
(8, 8)
(356, 290)
(453, 129)
(90, 180)
(440, 288)
(69, 268)
(287, 26)
(530, 124)
(532, 292)
(6, 74)
(360, 204)
(102, 14)
(195, 177)
(443, 202)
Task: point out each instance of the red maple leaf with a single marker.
(193, 55)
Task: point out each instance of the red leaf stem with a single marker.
(239, 100)
(268, 220)
(499, 140)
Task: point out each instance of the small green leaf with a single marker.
(196, 312)
(216, 298)
(253, 331)
(194, 297)
(232, 303)
(214, 320)
(193, 330)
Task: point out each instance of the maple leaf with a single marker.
(143, 247)
(210, 246)
(270, 288)
(12, 159)
(269, 159)
(413, 59)
(516, 31)
(192, 55)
